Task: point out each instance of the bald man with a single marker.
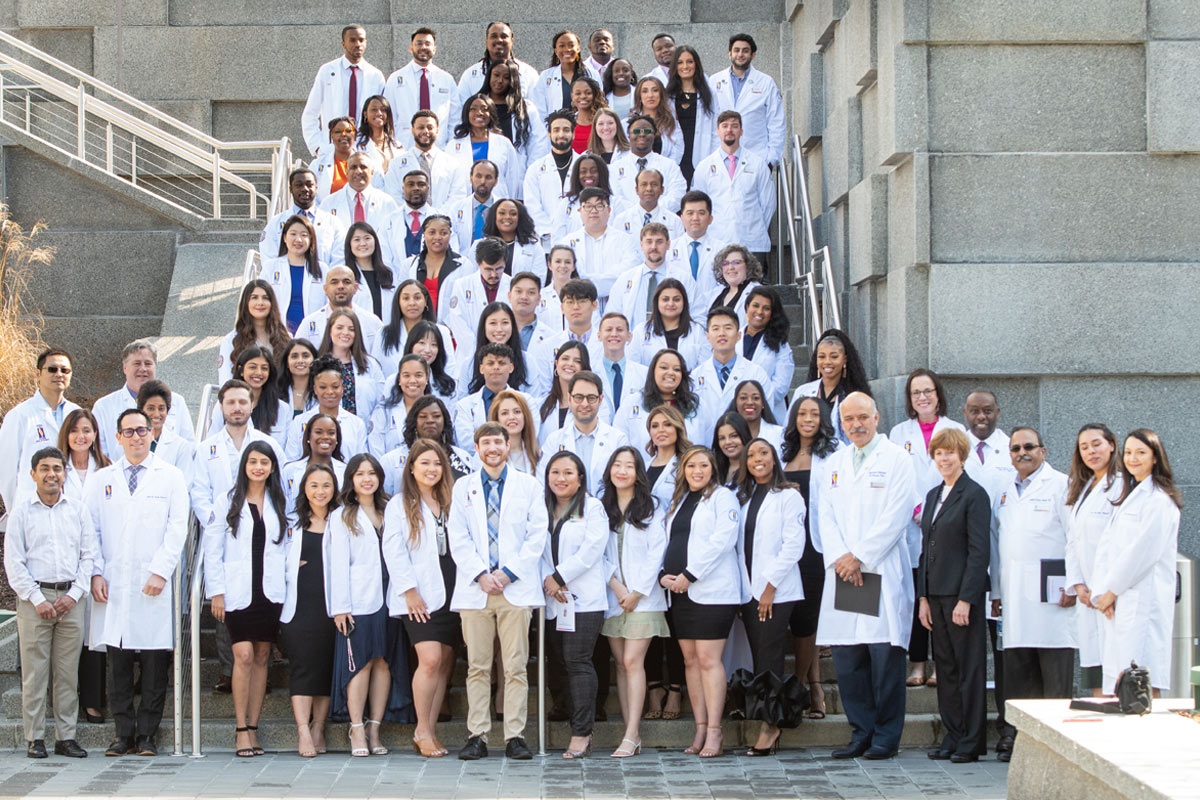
(865, 507)
(340, 291)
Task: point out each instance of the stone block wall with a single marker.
(1009, 190)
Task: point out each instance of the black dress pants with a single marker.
(961, 655)
(156, 665)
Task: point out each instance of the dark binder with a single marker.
(1051, 568)
(859, 599)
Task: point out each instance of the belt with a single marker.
(58, 587)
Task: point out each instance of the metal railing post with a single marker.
(196, 600)
(177, 589)
(82, 122)
(133, 161)
(216, 183)
(542, 681)
(108, 148)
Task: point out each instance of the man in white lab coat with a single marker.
(635, 287)
(601, 251)
(697, 248)
(33, 424)
(468, 214)
(473, 292)
(740, 185)
(623, 378)
(420, 85)
(716, 378)
(139, 362)
(500, 42)
(358, 200)
(627, 165)
(588, 437)
(1030, 521)
(865, 506)
(342, 291)
(446, 175)
(753, 94)
(548, 178)
(663, 47)
(340, 89)
(139, 509)
(331, 233)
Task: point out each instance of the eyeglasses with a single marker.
(594, 206)
(641, 132)
(737, 263)
(590, 399)
(55, 369)
(1028, 447)
(923, 392)
(129, 433)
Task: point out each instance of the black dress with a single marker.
(309, 637)
(444, 625)
(692, 620)
(259, 621)
(685, 115)
(812, 567)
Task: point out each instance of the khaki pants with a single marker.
(480, 626)
(49, 647)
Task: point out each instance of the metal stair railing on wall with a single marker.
(97, 125)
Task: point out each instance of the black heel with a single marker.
(258, 751)
(242, 752)
(766, 751)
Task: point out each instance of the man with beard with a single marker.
(739, 183)
(546, 180)
(446, 177)
(420, 85)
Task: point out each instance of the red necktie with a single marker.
(416, 222)
(424, 89)
(360, 214)
(353, 114)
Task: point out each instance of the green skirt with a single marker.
(636, 625)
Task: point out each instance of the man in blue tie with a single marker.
(716, 379)
(695, 250)
(467, 218)
(497, 529)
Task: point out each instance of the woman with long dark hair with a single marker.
(478, 136)
(370, 669)
(326, 389)
(297, 275)
(750, 403)
(362, 377)
(416, 550)
(244, 576)
(437, 262)
(555, 411)
(498, 324)
(377, 136)
(427, 419)
(519, 119)
(668, 382)
(553, 90)
(618, 81)
(292, 384)
(587, 98)
(765, 342)
(411, 304)
(258, 322)
(731, 434)
(427, 341)
(670, 326)
(364, 257)
(636, 544)
(692, 100)
(256, 366)
(510, 222)
(808, 441)
(410, 382)
(835, 371)
(322, 445)
(574, 565)
(308, 630)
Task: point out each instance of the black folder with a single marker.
(859, 599)
(1052, 568)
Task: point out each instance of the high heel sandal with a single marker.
(427, 748)
(312, 751)
(380, 750)
(242, 752)
(693, 748)
(655, 687)
(673, 689)
(584, 753)
(813, 712)
(720, 751)
(258, 751)
(621, 752)
(766, 751)
(357, 752)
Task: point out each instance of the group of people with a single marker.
(429, 426)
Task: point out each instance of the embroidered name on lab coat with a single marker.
(878, 479)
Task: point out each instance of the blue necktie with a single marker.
(493, 522)
(618, 383)
(724, 375)
(478, 222)
(695, 259)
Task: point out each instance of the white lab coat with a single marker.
(633, 416)
(631, 290)
(329, 98)
(813, 389)
(536, 145)
(386, 429)
(704, 283)
(176, 450)
(818, 478)
(449, 182)
(1025, 530)
(607, 439)
(546, 93)
(462, 224)
(1136, 562)
(412, 566)
(772, 433)
(539, 360)
(764, 123)
(403, 91)
(867, 514)
(780, 367)
(778, 546)
(623, 172)
(704, 137)
(715, 399)
(214, 473)
(312, 327)
(331, 235)
(996, 473)
(354, 433)
(109, 408)
(545, 194)
(693, 348)
(742, 205)
(471, 82)
(378, 207)
(712, 549)
(523, 533)
(602, 258)
(283, 418)
(278, 273)
(292, 571)
(908, 435)
(389, 360)
(664, 486)
(581, 564)
(353, 566)
(500, 151)
(138, 536)
(1089, 518)
(640, 560)
(28, 427)
(324, 167)
(464, 305)
(291, 473)
(228, 559)
(469, 415)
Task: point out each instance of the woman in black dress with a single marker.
(808, 441)
(308, 632)
(691, 96)
(417, 554)
(244, 575)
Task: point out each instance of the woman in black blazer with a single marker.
(952, 578)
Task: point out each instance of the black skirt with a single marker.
(694, 620)
(444, 625)
(259, 621)
(308, 638)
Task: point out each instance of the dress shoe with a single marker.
(224, 686)
(940, 755)
(1005, 744)
(877, 753)
(852, 750)
(963, 758)
(1004, 755)
(474, 749)
(69, 748)
(36, 749)
(517, 750)
(120, 747)
(97, 719)
(146, 746)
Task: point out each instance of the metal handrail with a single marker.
(812, 267)
(252, 267)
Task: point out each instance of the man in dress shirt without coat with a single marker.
(48, 560)
(341, 88)
(34, 423)
(420, 85)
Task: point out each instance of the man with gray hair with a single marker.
(139, 362)
(867, 605)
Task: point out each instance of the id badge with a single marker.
(565, 618)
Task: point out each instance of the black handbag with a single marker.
(1132, 692)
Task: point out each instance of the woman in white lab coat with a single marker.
(1135, 585)
(670, 326)
(427, 419)
(700, 570)
(294, 361)
(1094, 485)
(370, 668)
(770, 545)
(765, 342)
(322, 445)
(297, 262)
(750, 403)
(79, 440)
(510, 222)
(326, 386)
(410, 306)
(511, 410)
(520, 121)
(695, 109)
(834, 372)
(308, 631)
(435, 347)
(256, 366)
(925, 405)
(417, 553)
(553, 89)
(636, 603)
(343, 341)
(408, 384)
(668, 382)
(555, 412)
(154, 400)
(258, 322)
(576, 577)
(245, 562)
(649, 98)
(376, 279)
(808, 442)
(477, 136)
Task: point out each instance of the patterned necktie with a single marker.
(133, 477)
(360, 213)
(424, 89)
(724, 375)
(427, 168)
(641, 162)
(694, 258)
(646, 219)
(353, 106)
(493, 522)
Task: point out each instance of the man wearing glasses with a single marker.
(34, 424)
(1028, 575)
(627, 165)
(587, 437)
(602, 252)
(139, 512)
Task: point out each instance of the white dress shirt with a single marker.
(48, 544)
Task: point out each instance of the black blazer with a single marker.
(956, 546)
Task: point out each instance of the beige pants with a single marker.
(50, 647)
(511, 624)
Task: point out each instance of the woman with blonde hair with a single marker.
(510, 409)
